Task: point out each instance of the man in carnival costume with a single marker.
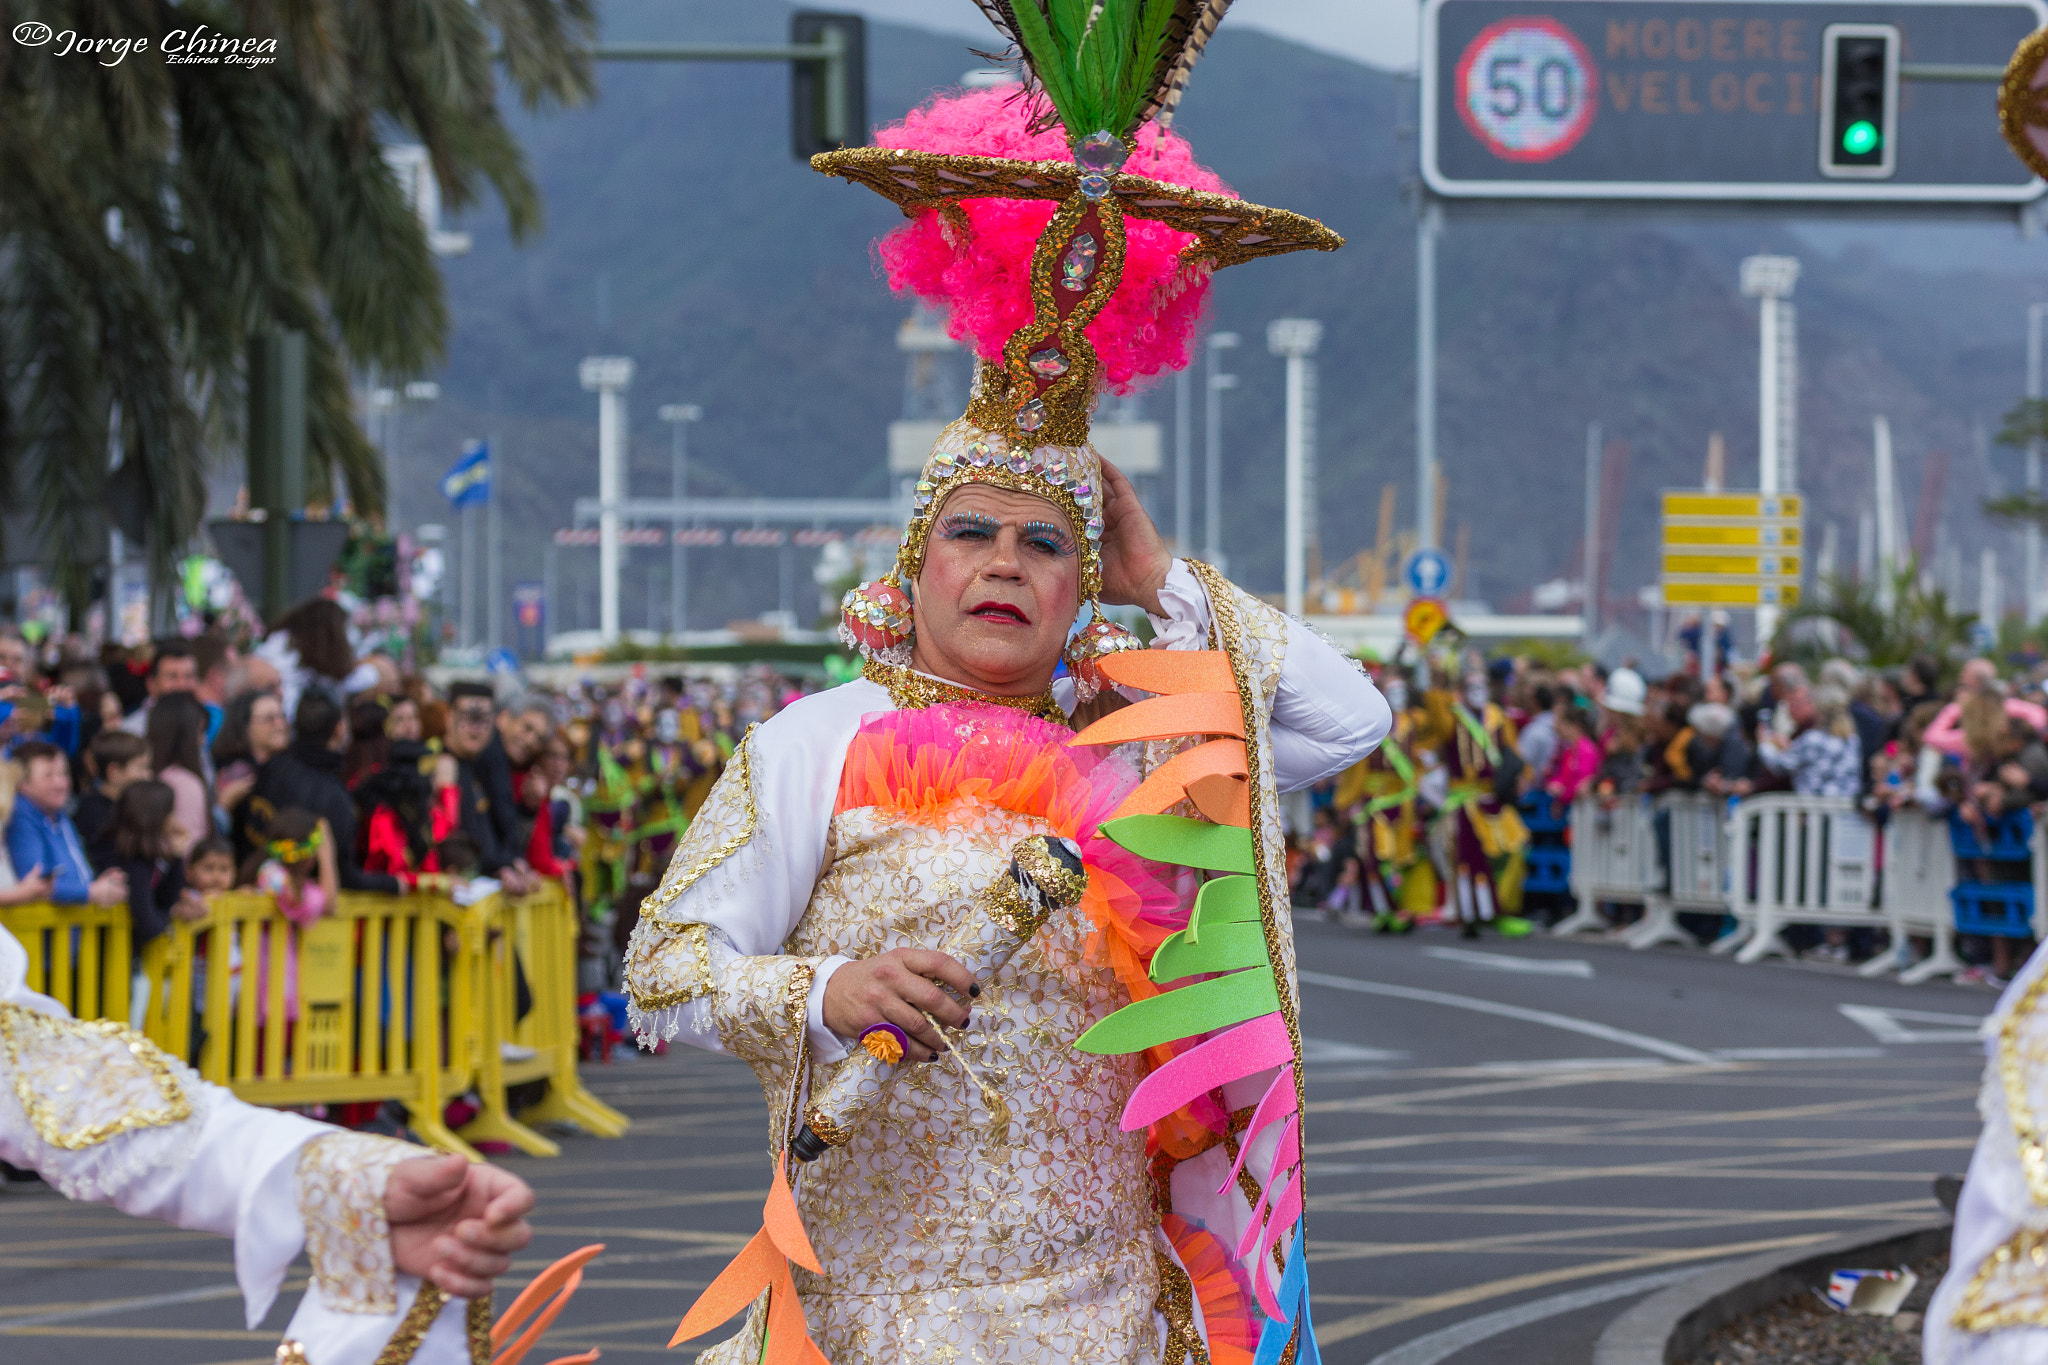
(391, 1230)
(1092, 1153)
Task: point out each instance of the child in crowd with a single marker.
(149, 846)
(297, 869)
(1578, 757)
(114, 761)
(210, 867)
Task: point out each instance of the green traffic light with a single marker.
(1860, 138)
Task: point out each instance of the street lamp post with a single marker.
(1212, 427)
(678, 416)
(1297, 339)
(1769, 280)
(609, 376)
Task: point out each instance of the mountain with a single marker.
(681, 232)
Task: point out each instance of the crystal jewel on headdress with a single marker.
(1084, 493)
(923, 497)
(980, 454)
(1095, 528)
(1031, 416)
(1093, 186)
(1048, 363)
(944, 463)
(1055, 467)
(1020, 460)
(1101, 151)
(1079, 264)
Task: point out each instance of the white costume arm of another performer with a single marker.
(1327, 715)
(105, 1116)
(706, 964)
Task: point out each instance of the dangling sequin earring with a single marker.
(874, 619)
(1085, 652)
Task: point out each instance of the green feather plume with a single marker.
(1098, 61)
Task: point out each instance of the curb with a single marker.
(1671, 1324)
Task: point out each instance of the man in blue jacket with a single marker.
(40, 835)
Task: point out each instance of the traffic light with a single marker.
(1859, 101)
(828, 94)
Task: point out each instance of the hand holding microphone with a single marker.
(892, 994)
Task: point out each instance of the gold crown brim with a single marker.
(1227, 231)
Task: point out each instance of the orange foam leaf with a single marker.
(1176, 777)
(1190, 713)
(782, 1223)
(1168, 671)
(1223, 797)
(736, 1287)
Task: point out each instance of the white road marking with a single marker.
(1445, 1342)
(1794, 1054)
(112, 1306)
(1497, 962)
(1893, 1026)
(1677, 1052)
(1328, 1052)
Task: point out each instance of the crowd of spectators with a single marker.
(161, 776)
(1948, 739)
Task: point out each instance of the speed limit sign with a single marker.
(1527, 89)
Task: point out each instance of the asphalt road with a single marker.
(1509, 1143)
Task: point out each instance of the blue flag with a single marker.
(468, 480)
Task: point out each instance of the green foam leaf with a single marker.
(1201, 1008)
(1226, 947)
(1191, 843)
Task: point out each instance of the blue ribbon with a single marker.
(1293, 1300)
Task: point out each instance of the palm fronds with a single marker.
(155, 217)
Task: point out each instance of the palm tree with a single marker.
(1848, 617)
(155, 215)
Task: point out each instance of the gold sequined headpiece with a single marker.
(1026, 427)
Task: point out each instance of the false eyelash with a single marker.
(1063, 542)
(960, 522)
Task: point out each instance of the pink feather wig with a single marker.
(985, 282)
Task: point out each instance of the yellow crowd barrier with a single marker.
(407, 998)
(78, 955)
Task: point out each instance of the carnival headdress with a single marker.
(1070, 235)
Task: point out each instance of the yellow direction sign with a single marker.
(1731, 506)
(1731, 592)
(1693, 563)
(1764, 534)
(1425, 618)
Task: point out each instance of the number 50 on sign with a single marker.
(1526, 88)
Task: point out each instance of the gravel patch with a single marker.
(1806, 1330)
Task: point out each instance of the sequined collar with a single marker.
(913, 691)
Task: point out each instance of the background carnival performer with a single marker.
(1078, 1165)
(103, 1115)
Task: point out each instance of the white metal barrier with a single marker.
(1919, 870)
(1614, 858)
(1797, 860)
(1698, 824)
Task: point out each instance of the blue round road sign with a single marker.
(1427, 572)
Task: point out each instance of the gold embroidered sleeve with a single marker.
(340, 1183)
(726, 823)
(667, 965)
(763, 1011)
(83, 1081)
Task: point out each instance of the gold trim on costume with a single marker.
(2026, 1126)
(681, 877)
(340, 1182)
(693, 939)
(1176, 1303)
(52, 1089)
(913, 691)
(1227, 231)
(2021, 1300)
(1223, 613)
(2021, 104)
